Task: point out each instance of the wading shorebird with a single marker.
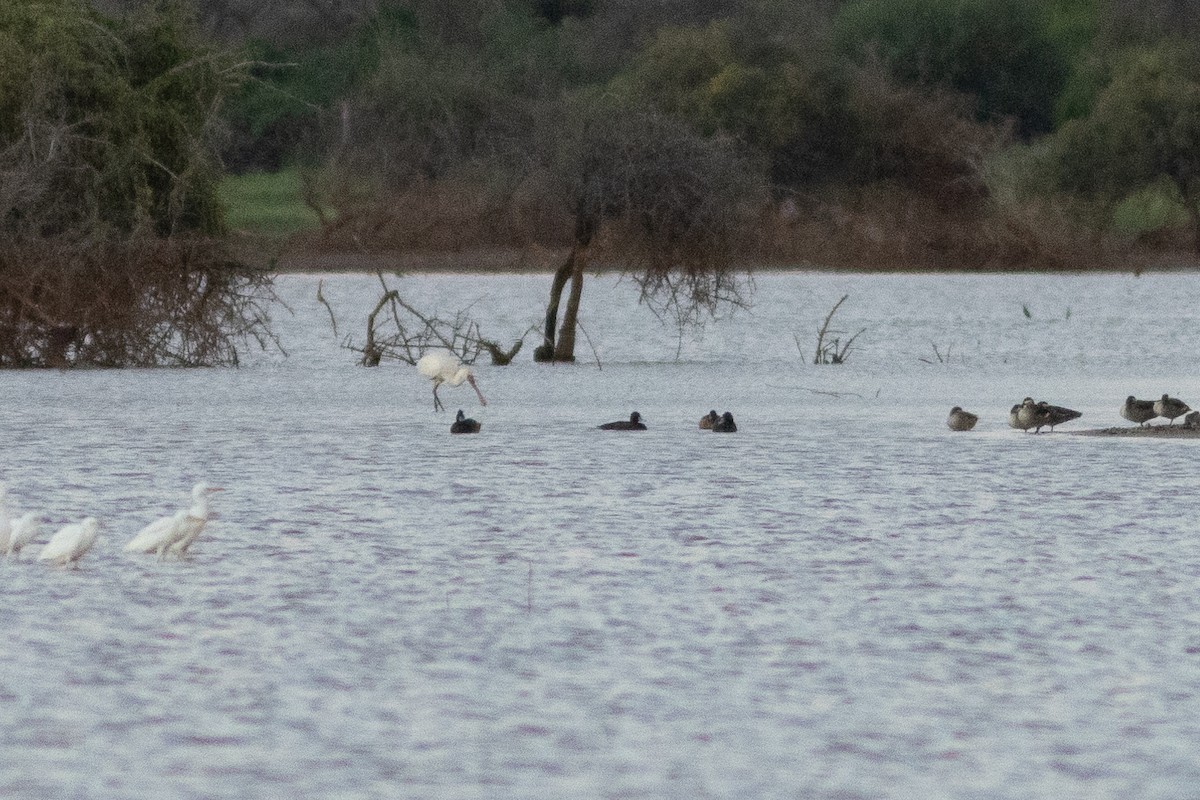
(443, 367)
(960, 420)
(71, 543)
(24, 531)
(175, 534)
(1139, 411)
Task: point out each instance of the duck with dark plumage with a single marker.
(1170, 407)
(634, 423)
(725, 424)
(464, 424)
(708, 420)
(1139, 411)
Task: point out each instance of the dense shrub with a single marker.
(1143, 130)
(108, 204)
(1000, 52)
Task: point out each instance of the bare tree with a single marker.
(650, 194)
(398, 331)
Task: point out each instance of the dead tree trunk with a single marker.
(546, 351)
(565, 349)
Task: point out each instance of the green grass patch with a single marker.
(266, 203)
(1151, 209)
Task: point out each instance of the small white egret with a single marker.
(443, 367)
(24, 531)
(158, 536)
(175, 534)
(71, 542)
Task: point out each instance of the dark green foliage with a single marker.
(999, 51)
(106, 125)
(1143, 130)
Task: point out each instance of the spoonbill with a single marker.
(443, 367)
(464, 424)
(71, 542)
(1170, 407)
(175, 534)
(725, 424)
(24, 531)
(960, 420)
(634, 423)
(1139, 411)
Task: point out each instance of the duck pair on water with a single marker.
(719, 424)
(1142, 411)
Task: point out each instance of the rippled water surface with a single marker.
(843, 600)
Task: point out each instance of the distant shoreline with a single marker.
(540, 260)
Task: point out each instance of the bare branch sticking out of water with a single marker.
(824, 392)
(596, 355)
(941, 359)
(321, 299)
(414, 332)
(832, 352)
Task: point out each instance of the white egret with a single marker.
(24, 531)
(158, 536)
(443, 367)
(175, 534)
(71, 542)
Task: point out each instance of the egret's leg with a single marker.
(437, 401)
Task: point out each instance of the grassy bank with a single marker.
(266, 204)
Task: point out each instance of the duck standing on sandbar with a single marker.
(1031, 415)
(464, 424)
(1170, 407)
(1057, 415)
(960, 420)
(1139, 411)
(725, 424)
(634, 423)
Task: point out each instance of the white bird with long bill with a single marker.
(71, 543)
(175, 534)
(441, 366)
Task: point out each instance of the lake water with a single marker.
(843, 600)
